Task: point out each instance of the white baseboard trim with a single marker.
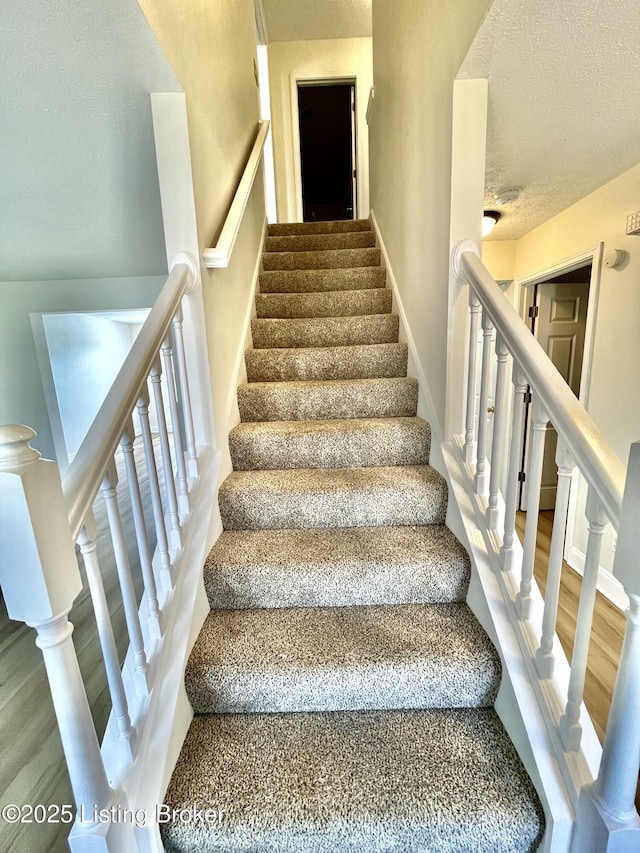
(415, 370)
(608, 585)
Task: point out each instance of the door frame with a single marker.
(296, 80)
(594, 256)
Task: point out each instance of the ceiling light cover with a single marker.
(489, 220)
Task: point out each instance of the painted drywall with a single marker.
(349, 58)
(212, 49)
(417, 49)
(78, 176)
(22, 399)
(499, 257)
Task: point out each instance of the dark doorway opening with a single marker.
(327, 150)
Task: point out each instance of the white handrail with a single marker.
(219, 256)
(83, 478)
(594, 456)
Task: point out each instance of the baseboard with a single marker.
(607, 584)
(414, 370)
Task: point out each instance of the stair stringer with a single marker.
(556, 776)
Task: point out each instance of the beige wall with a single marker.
(418, 48)
(319, 60)
(211, 45)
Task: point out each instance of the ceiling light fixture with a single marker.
(489, 220)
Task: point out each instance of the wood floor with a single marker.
(607, 632)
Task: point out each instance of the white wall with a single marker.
(417, 49)
(78, 177)
(315, 60)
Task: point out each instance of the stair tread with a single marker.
(324, 331)
(328, 399)
(321, 259)
(342, 658)
(336, 567)
(333, 497)
(318, 281)
(314, 242)
(358, 361)
(332, 303)
(332, 226)
(446, 780)
(345, 443)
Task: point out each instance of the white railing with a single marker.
(219, 255)
(495, 432)
(115, 785)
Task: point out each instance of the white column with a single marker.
(144, 552)
(154, 488)
(515, 462)
(178, 342)
(545, 660)
(480, 481)
(132, 618)
(470, 422)
(570, 728)
(126, 733)
(540, 420)
(183, 486)
(167, 463)
(498, 434)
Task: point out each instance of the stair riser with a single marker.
(351, 303)
(395, 444)
(331, 227)
(321, 242)
(385, 504)
(367, 398)
(329, 259)
(325, 331)
(313, 281)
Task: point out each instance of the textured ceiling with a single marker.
(299, 20)
(564, 113)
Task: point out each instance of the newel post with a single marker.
(607, 820)
(40, 580)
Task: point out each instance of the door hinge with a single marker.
(534, 311)
(521, 476)
(353, 106)
(355, 174)
(526, 399)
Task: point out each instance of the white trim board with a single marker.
(414, 367)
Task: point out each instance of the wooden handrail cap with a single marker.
(16, 454)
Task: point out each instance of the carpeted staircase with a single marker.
(342, 688)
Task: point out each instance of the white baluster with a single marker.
(570, 728)
(154, 489)
(127, 739)
(540, 420)
(167, 464)
(474, 327)
(498, 434)
(40, 579)
(515, 461)
(183, 486)
(606, 816)
(141, 669)
(186, 397)
(545, 660)
(480, 481)
(146, 566)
